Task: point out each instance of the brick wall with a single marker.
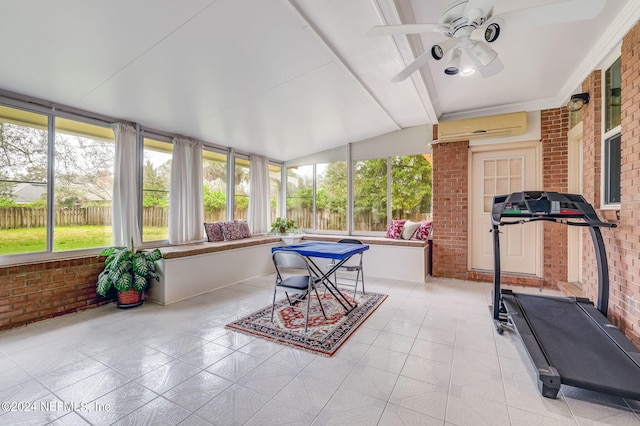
(554, 125)
(37, 291)
(622, 243)
(625, 273)
(450, 209)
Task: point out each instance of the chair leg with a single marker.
(355, 287)
(273, 304)
(306, 319)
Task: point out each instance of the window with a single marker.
(242, 172)
(611, 147)
(23, 181)
(275, 191)
(501, 176)
(370, 195)
(84, 155)
(612, 170)
(214, 174)
(156, 180)
(82, 176)
(300, 195)
(331, 196)
(411, 187)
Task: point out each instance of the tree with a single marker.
(410, 185)
(23, 153)
(156, 184)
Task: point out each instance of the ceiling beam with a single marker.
(340, 60)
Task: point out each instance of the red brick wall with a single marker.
(624, 299)
(38, 291)
(554, 125)
(450, 209)
(622, 243)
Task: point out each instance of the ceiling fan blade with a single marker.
(554, 13)
(380, 30)
(412, 67)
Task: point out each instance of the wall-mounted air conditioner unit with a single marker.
(494, 126)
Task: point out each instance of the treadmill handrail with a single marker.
(583, 210)
(557, 220)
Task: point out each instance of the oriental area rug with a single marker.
(323, 336)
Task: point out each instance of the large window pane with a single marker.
(300, 195)
(84, 155)
(612, 96)
(156, 181)
(370, 195)
(242, 172)
(331, 196)
(411, 187)
(275, 192)
(23, 181)
(214, 173)
(612, 170)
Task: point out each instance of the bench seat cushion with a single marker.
(174, 252)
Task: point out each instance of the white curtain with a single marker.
(125, 187)
(186, 209)
(259, 210)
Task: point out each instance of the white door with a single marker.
(498, 173)
(574, 243)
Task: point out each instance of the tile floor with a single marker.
(428, 356)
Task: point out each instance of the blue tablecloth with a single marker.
(324, 249)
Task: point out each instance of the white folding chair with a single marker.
(294, 274)
(354, 264)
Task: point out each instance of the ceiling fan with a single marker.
(471, 26)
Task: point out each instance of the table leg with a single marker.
(330, 285)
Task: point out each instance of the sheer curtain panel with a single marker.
(125, 188)
(186, 209)
(259, 200)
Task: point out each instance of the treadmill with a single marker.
(569, 340)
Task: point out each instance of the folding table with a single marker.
(341, 252)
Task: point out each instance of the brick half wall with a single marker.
(38, 291)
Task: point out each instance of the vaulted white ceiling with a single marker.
(283, 78)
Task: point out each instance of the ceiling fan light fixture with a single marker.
(484, 53)
(453, 62)
(492, 32)
(440, 50)
(577, 101)
(466, 72)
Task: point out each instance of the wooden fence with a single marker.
(27, 217)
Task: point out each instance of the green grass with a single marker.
(28, 240)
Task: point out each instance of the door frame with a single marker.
(574, 185)
(498, 147)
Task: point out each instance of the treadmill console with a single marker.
(541, 205)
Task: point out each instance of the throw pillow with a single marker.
(231, 231)
(409, 229)
(395, 229)
(244, 228)
(213, 231)
(424, 231)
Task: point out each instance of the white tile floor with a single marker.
(428, 356)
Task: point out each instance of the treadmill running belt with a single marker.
(576, 346)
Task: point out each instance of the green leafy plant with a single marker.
(284, 226)
(126, 268)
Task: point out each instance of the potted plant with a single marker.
(287, 230)
(129, 271)
(283, 226)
